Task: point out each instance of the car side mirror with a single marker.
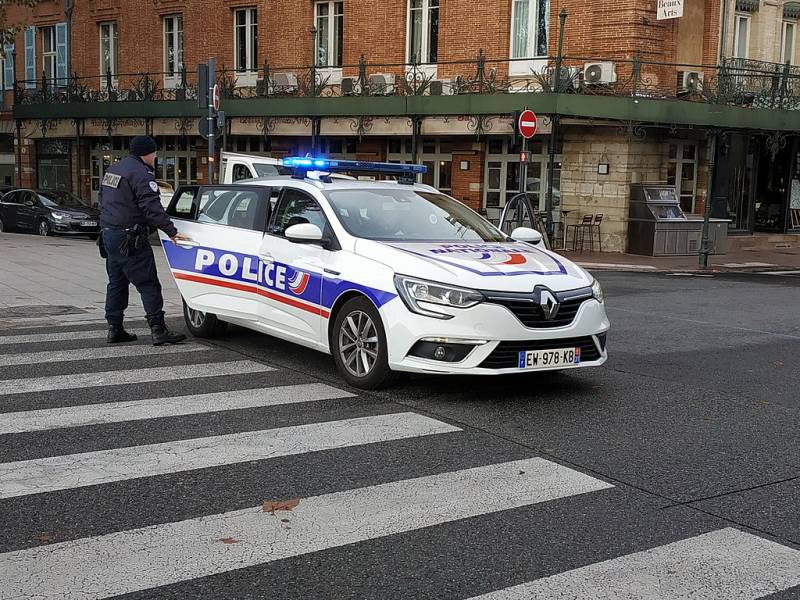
(526, 234)
(304, 233)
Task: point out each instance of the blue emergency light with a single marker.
(302, 165)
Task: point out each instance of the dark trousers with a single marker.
(138, 268)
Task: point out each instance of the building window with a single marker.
(436, 154)
(49, 53)
(787, 42)
(109, 57)
(246, 39)
(8, 67)
(330, 33)
(682, 173)
(529, 28)
(741, 36)
(173, 47)
(423, 31)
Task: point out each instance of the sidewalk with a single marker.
(776, 259)
(62, 281)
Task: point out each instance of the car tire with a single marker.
(202, 324)
(3, 227)
(43, 228)
(358, 345)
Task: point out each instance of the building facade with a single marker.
(628, 98)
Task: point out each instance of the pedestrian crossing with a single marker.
(277, 422)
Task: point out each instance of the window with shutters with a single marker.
(49, 53)
(788, 41)
(8, 67)
(741, 36)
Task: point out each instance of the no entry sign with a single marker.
(527, 124)
(215, 97)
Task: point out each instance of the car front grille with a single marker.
(530, 313)
(506, 355)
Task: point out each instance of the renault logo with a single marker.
(549, 304)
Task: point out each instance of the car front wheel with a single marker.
(202, 324)
(358, 344)
(44, 228)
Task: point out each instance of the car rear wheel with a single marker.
(358, 344)
(44, 228)
(3, 226)
(202, 324)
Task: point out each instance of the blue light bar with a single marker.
(353, 166)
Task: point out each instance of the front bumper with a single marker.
(73, 227)
(497, 335)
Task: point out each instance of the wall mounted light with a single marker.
(602, 166)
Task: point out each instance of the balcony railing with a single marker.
(735, 82)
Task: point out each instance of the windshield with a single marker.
(265, 170)
(61, 198)
(409, 215)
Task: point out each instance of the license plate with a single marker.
(88, 223)
(549, 359)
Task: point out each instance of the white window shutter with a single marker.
(30, 57)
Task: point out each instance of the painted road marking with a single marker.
(140, 559)
(85, 380)
(63, 336)
(113, 351)
(153, 408)
(52, 473)
(722, 565)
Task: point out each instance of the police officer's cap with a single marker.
(142, 145)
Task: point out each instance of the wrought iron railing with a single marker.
(734, 82)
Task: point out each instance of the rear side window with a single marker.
(245, 209)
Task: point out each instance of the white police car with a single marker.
(386, 276)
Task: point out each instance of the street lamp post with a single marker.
(551, 167)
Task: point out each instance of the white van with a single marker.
(237, 167)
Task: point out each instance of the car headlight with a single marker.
(59, 216)
(416, 291)
(597, 291)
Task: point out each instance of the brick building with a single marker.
(436, 81)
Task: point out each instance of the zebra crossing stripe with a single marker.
(727, 564)
(102, 378)
(32, 358)
(48, 474)
(61, 336)
(140, 559)
(153, 408)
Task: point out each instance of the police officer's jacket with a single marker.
(129, 196)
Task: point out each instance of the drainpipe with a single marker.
(723, 30)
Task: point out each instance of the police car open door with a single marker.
(219, 269)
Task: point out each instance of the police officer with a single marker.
(130, 209)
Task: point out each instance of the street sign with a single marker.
(202, 128)
(527, 124)
(216, 96)
(669, 9)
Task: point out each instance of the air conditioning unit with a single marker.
(599, 72)
(283, 83)
(381, 84)
(568, 78)
(690, 81)
(442, 87)
(348, 86)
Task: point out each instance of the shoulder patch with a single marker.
(111, 180)
(154, 186)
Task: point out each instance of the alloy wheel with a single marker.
(358, 343)
(196, 317)
(44, 228)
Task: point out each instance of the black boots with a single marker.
(162, 335)
(118, 335)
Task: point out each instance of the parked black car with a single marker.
(47, 212)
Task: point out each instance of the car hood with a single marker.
(505, 266)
